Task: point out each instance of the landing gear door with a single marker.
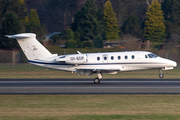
(86, 58)
(105, 58)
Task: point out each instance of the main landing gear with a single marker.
(97, 80)
(161, 74)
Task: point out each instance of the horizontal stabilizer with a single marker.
(18, 36)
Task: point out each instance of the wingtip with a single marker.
(7, 36)
(21, 36)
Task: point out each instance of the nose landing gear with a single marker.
(161, 75)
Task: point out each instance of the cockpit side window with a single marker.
(146, 56)
(152, 56)
(155, 56)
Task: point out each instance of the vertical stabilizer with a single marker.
(31, 47)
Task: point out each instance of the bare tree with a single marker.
(130, 42)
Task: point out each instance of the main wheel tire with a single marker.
(96, 80)
(161, 75)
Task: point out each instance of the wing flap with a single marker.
(105, 70)
(100, 69)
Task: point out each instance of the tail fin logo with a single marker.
(34, 49)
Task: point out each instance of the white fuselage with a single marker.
(111, 61)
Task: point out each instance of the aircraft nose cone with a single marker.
(173, 63)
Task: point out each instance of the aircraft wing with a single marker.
(100, 69)
(90, 71)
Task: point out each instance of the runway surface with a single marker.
(87, 86)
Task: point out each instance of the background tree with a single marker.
(71, 44)
(21, 11)
(132, 26)
(88, 22)
(12, 15)
(16, 6)
(34, 25)
(98, 42)
(171, 9)
(111, 26)
(33, 17)
(55, 38)
(68, 36)
(87, 44)
(63, 11)
(11, 25)
(154, 23)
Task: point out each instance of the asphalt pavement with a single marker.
(87, 86)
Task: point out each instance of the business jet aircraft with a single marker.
(91, 63)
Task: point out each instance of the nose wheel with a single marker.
(161, 75)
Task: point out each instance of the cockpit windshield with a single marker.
(152, 55)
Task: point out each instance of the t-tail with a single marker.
(31, 47)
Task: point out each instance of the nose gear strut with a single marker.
(161, 75)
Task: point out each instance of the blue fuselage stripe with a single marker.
(93, 63)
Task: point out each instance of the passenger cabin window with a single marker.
(146, 56)
(112, 58)
(126, 57)
(105, 58)
(98, 58)
(119, 57)
(132, 57)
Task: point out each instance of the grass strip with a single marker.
(89, 107)
(97, 117)
(30, 71)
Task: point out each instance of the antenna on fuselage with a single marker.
(79, 52)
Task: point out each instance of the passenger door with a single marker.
(105, 58)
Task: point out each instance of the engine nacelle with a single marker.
(74, 59)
